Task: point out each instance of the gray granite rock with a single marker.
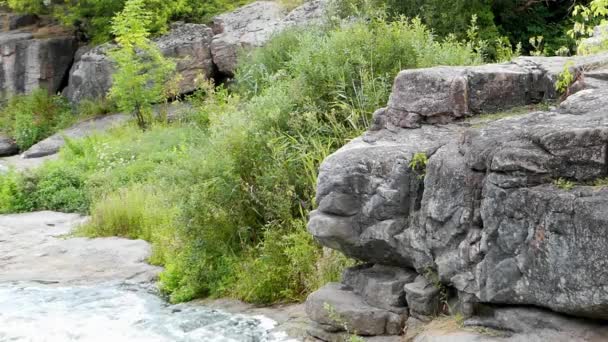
(29, 61)
(444, 94)
(336, 308)
(188, 44)
(485, 214)
(380, 286)
(253, 25)
(12, 21)
(422, 298)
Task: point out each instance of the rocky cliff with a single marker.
(32, 57)
(453, 207)
(199, 50)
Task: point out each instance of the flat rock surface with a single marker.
(34, 248)
(55, 142)
(20, 164)
(54, 287)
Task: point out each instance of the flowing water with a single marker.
(34, 312)
(58, 288)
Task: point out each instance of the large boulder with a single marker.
(188, 44)
(253, 25)
(31, 60)
(91, 75)
(502, 211)
(338, 309)
(444, 94)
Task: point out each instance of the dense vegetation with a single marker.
(500, 21)
(94, 17)
(223, 194)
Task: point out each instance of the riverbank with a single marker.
(54, 286)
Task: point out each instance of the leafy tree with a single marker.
(142, 71)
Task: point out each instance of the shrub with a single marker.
(31, 118)
(142, 71)
(14, 193)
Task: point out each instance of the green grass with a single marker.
(601, 182)
(564, 184)
(224, 194)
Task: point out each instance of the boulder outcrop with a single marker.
(188, 44)
(32, 58)
(253, 25)
(508, 212)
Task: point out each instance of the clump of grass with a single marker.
(601, 182)
(135, 212)
(418, 164)
(564, 184)
(30, 118)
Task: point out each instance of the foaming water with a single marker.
(116, 314)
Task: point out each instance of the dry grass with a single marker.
(43, 32)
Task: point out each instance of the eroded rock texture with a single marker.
(187, 44)
(485, 215)
(32, 58)
(253, 25)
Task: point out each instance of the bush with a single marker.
(15, 194)
(31, 118)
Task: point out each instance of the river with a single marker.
(57, 288)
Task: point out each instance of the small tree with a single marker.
(142, 71)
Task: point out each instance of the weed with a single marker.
(564, 184)
(601, 182)
(418, 164)
(565, 79)
(433, 277)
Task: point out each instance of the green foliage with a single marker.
(498, 21)
(223, 195)
(418, 164)
(94, 17)
(136, 212)
(565, 79)
(537, 45)
(14, 193)
(26, 6)
(142, 71)
(432, 277)
(586, 18)
(601, 182)
(31, 118)
(564, 184)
